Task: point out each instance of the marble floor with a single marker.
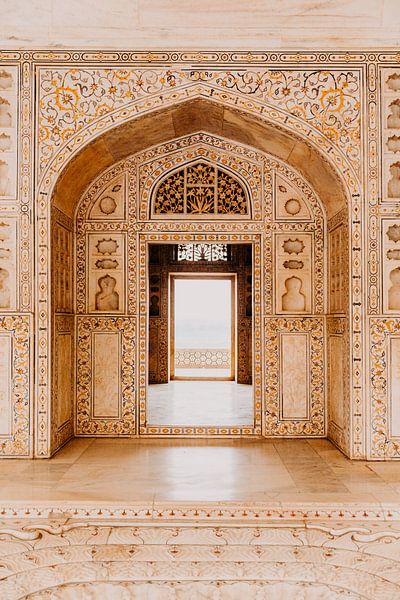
(147, 470)
(200, 403)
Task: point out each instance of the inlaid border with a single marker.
(315, 425)
(19, 443)
(85, 422)
(216, 237)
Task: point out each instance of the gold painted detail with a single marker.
(200, 189)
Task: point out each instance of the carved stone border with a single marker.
(219, 237)
(382, 445)
(315, 425)
(19, 443)
(86, 423)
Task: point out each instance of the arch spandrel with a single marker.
(189, 117)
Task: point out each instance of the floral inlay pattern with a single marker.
(71, 99)
(200, 189)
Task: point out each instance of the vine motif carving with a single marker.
(315, 424)
(72, 99)
(86, 424)
(383, 446)
(18, 443)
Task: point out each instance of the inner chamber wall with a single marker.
(301, 357)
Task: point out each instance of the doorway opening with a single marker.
(200, 336)
(202, 325)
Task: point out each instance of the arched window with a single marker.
(200, 189)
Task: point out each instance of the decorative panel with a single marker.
(15, 386)
(110, 203)
(294, 376)
(9, 88)
(200, 189)
(336, 353)
(8, 263)
(385, 394)
(391, 266)
(63, 380)
(394, 385)
(106, 374)
(290, 204)
(276, 382)
(6, 383)
(155, 162)
(106, 272)
(338, 373)
(62, 267)
(106, 386)
(390, 97)
(158, 350)
(337, 268)
(294, 264)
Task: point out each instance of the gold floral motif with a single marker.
(170, 195)
(200, 189)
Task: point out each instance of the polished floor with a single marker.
(200, 470)
(200, 403)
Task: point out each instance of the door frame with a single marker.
(171, 323)
(145, 238)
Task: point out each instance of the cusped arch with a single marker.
(200, 188)
(193, 116)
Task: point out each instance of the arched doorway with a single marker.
(302, 335)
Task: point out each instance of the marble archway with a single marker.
(271, 228)
(194, 114)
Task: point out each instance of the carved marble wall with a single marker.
(287, 217)
(60, 106)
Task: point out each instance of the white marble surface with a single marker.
(200, 403)
(209, 24)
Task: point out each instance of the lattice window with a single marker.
(200, 189)
(202, 252)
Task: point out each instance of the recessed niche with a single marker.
(394, 181)
(6, 80)
(393, 82)
(393, 143)
(5, 113)
(293, 246)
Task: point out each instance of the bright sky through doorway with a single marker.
(202, 313)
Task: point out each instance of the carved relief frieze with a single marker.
(297, 345)
(229, 555)
(106, 376)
